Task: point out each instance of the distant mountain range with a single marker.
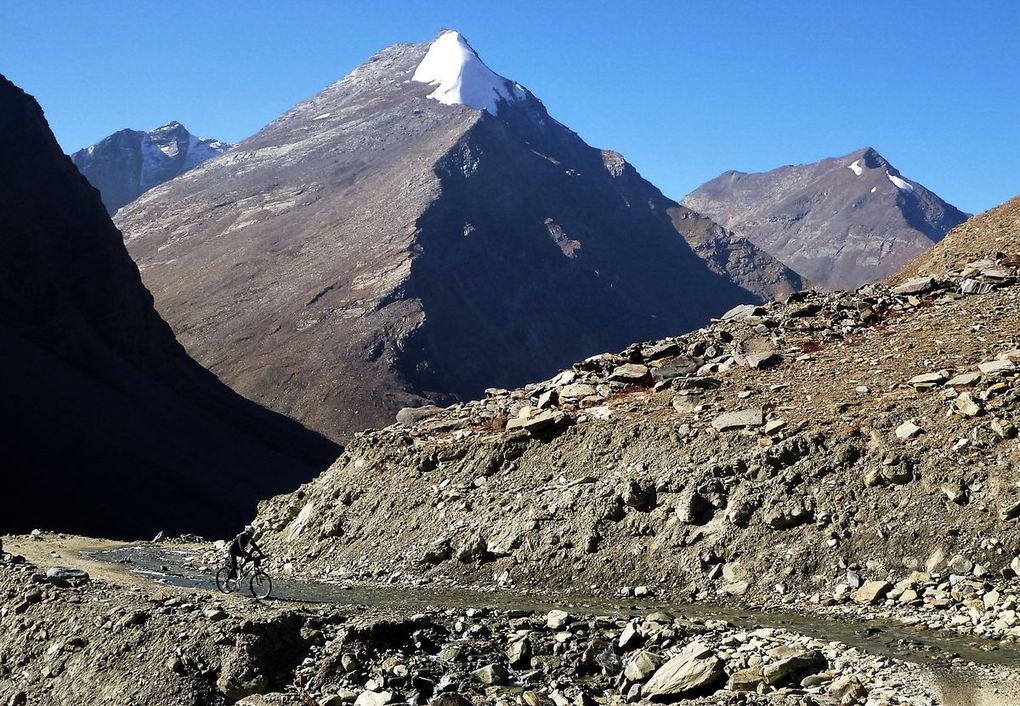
(109, 427)
(128, 163)
(840, 222)
(417, 232)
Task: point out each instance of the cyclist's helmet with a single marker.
(249, 530)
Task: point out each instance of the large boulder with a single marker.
(65, 577)
(872, 592)
(241, 675)
(409, 416)
(795, 666)
(694, 669)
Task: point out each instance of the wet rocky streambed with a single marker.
(937, 648)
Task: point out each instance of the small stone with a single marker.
(450, 653)
(538, 423)
(964, 380)
(409, 416)
(997, 367)
(967, 405)
(1010, 511)
(629, 372)
(451, 698)
(916, 285)
(936, 561)
(774, 426)
(761, 360)
(1003, 429)
(927, 381)
(848, 689)
(519, 653)
(908, 430)
(557, 619)
(630, 637)
(742, 311)
(374, 698)
(955, 492)
(739, 420)
(642, 666)
(798, 665)
(530, 698)
(746, 679)
(960, 564)
(214, 614)
(871, 592)
(492, 675)
(575, 392)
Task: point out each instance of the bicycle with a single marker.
(259, 582)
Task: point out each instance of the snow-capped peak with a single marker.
(461, 77)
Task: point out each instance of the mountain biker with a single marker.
(244, 545)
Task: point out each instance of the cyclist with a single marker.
(244, 545)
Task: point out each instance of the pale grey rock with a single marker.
(695, 667)
(740, 419)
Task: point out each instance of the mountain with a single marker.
(418, 231)
(128, 163)
(841, 222)
(109, 427)
(764, 455)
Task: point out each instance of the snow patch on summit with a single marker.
(461, 78)
(856, 167)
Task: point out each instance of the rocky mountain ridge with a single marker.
(841, 222)
(109, 427)
(861, 436)
(128, 163)
(393, 241)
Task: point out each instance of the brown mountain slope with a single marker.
(108, 426)
(374, 248)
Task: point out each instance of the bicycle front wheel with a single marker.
(223, 581)
(261, 584)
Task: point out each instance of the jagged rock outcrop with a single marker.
(875, 431)
(108, 426)
(841, 222)
(128, 163)
(418, 231)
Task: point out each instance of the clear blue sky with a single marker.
(685, 90)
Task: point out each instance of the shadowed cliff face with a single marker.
(374, 248)
(536, 255)
(840, 222)
(109, 427)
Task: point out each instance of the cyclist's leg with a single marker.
(232, 565)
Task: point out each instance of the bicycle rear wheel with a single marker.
(223, 581)
(261, 584)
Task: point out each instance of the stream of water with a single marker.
(934, 648)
